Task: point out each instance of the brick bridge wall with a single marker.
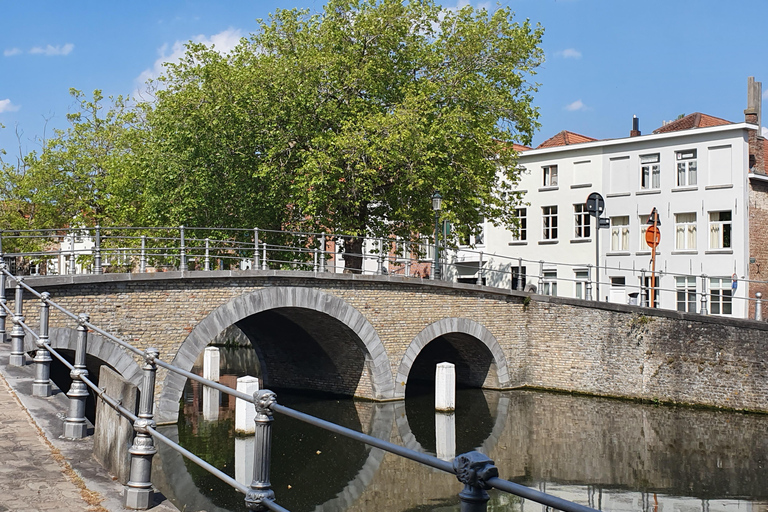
(536, 341)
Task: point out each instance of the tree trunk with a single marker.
(353, 255)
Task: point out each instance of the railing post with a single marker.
(380, 260)
(97, 252)
(264, 257)
(3, 300)
(520, 283)
(143, 258)
(473, 469)
(207, 261)
(541, 277)
(72, 262)
(480, 270)
(17, 333)
(643, 290)
(42, 383)
(74, 424)
(139, 494)
(255, 265)
(588, 285)
(703, 309)
(322, 252)
(182, 251)
(759, 307)
(261, 488)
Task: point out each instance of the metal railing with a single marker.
(144, 249)
(474, 470)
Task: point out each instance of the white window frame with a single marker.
(620, 233)
(685, 231)
(718, 229)
(581, 277)
(643, 228)
(685, 287)
(687, 169)
(549, 283)
(581, 221)
(550, 175)
(522, 229)
(721, 296)
(650, 171)
(549, 222)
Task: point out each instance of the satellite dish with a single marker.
(530, 287)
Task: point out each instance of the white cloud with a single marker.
(7, 106)
(11, 52)
(569, 53)
(575, 106)
(224, 42)
(764, 131)
(51, 50)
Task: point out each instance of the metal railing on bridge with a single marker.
(144, 249)
(474, 470)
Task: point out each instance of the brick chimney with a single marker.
(635, 131)
(753, 115)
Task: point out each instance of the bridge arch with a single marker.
(452, 326)
(274, 299)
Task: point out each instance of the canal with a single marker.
(604, 453)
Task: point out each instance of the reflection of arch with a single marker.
(242, 307)
(177, 484)
(448, 326)
(64, 338)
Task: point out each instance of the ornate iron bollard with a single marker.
(139, 494)
(520, 283)
(703, 309)
(759, 307)
(143, 256)
(322, 253)
(261, 488)
(207, 260)
(17, 333)
(97, 252)
(473, 469)
(182, 251)
(42, 383)
(3, 301)
(255, 265)
(74, 424)
(588, 285)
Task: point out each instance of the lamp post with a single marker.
(437, 203)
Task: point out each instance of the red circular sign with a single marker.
(652, 236)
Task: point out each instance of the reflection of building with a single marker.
(705, 176)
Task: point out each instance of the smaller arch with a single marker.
(65, 338)
(448, 326)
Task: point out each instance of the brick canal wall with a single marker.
(538, 341)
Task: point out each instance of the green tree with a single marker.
(347, 121)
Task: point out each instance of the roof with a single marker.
(565, 138)
(519, 147)
(695, 120)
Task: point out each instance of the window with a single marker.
(645, 284)
(522, 228)
(403, 250)
(549, 286)
(685, 231)
(686, 168)
(476, 239)
(550, 176)
(619, 234)
(581, 221)
(549, 222)
(650, 172)
(721, 295)
(643, 228)
(582, 276)
(686, 293)
(518, 278)
(720, 230)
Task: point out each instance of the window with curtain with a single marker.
(620, 233)
(685, 231)
(720, 230)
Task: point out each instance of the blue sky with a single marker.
(606, 60)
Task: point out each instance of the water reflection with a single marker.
(607, 454)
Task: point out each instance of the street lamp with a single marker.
(437, 203)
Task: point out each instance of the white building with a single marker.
(704, 175)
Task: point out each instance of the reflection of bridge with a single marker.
(369, 335)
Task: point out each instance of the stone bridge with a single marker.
(369, 336)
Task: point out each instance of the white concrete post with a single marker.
(211, 363)
(211, 402)
(245, 412)
(244, 448)
(445, 435)
(445, 387)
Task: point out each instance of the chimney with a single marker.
(752, 115)
(635, 132)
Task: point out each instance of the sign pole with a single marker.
(653, 260)
(597, 258)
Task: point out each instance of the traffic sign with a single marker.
(595, 204)
(652, 236)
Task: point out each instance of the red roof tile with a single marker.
(565, 138)
(519, 147)
(695, 120)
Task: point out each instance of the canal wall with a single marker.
(368, 331)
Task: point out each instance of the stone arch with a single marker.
(65, 338)
(448, 326)
(266, 299)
